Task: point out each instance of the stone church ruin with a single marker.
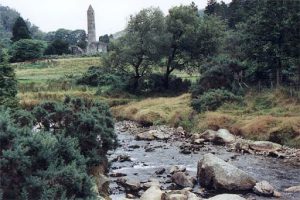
(93, 46)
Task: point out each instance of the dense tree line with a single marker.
(231, 46)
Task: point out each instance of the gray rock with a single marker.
(227, 197)
(153, 193)
(180, 195)
(181, 179)
(175, 169)
(145, 136)
(264, 188)
(264, 146)
(293, 189)
(208, 135)
(214, 172)
(223, 136)
(129, 185)
(160, 171)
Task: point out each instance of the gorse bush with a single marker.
(90, 122)
(40, 165)
(49, 152)
(213, 99)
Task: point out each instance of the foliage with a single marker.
(40, 165)
(213, 99)
(27, 49)
(8, 17)
(154, 83)
(101, 76)
(105, 38)
(136, 52)
(220, 73)
(8, 82)
(20, 30)
(57, 47)
(271, 40)
(76, 38)
(90, 122)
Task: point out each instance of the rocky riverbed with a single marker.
(172, 164)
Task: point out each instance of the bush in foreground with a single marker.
(89, 122)
(40, 165)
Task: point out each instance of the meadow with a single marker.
(265, 115)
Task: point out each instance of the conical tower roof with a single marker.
(90, 8)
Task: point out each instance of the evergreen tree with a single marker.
(20, 30)
(8, 82)
(271, 39)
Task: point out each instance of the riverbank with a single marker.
(269, 115)
(139, 163)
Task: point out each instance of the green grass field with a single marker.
(43, 81)
(262, 115)
(43, 71)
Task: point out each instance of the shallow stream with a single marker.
(166, 154)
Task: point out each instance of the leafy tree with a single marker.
(27, 49)
(8, 82)
(137, 51)
(20, 30)
(190, 39)
(77, 37)
(58, 47)
(104, 38)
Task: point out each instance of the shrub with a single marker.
(58, 47)
(8, 82)
(27, 49)
(90, 122)
(101, 76)
(219, 74)
(155, 83)
(213, 99)
(40, 165)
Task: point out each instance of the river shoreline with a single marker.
(147, 158)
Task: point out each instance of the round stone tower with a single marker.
(91, 25)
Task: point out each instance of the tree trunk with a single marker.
(278, 74)
(166, 81)
(298, 85)
(169, 69)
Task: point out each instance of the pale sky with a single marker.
(111, 15)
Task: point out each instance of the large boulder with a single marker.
(227, 197)
(148, 135)
(183, 180)
(153, 193)
(215, 173)
(223, 136)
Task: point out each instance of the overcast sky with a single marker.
(111, 15)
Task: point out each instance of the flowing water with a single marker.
(166, 154)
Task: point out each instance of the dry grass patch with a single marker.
(169, 110)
